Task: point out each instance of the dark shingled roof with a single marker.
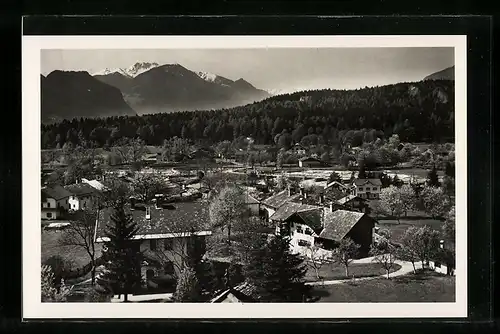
(309, 159)
(173, 218)
(349, 198)
(362, 182)
(81, 189)
(56, 192)
(339, 223)
(279, 199)
(249, 199)
(288, 209)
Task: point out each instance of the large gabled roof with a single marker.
(338, 223)
(279, 199)
(173, 220)
(349, 198)
(56, 192)
(288, 209)
(81, 189)
(362, 182)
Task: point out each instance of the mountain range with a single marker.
(446, 74)
(150, 88)
(74, 94)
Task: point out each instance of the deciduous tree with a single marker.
(345, 253)
(80, 234)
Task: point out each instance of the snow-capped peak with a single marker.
(132, 71)
(139, 68)
(207, 76)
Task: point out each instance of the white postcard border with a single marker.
(31, 300)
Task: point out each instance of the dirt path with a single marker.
(406, 268)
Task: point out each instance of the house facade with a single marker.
(366, 188)
(54, 200)
(352, 202)
(84, 197)
(166, 235)
(310, 162)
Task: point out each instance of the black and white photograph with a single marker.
(323, 173)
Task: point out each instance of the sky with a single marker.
(276, 70)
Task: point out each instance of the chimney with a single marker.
(302, 191)
(441, 244)
(321, 199)
(289, 191)
(158, 201)
(148, 212)
(331, 207)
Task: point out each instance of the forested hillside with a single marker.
(417, 112)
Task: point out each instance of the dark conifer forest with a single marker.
(417, 112)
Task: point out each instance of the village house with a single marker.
(310, 162)
(151, 158)
(366, 188)
(252, 204)
(302, 222)
(166, 234)
(342, 224)
(83, 197)
(273, 203)
(54, 200)
(353, 203)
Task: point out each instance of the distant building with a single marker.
(310, 162)
(353, 202)
(54, 200)
(164, 234)
(83, 196)
(366, 188)
(273, 203)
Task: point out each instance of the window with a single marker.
(374, 188)
(66, 201)
(299, 229)
(152, 244)
(168, 243)
(48, 204)
(49, 214)
(360, 188)
(308, 231)
(304, 243)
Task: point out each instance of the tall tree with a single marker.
(434, 201)
(227, 211)
(432, 177)
(409, 249)
(146, 186)
(49, 291)
(384, 252)
(276, 272)
(122, 256)
(345, 253)
(188, 288)
(449, 170)
(390, 201)
(426, 243)
(80, 234)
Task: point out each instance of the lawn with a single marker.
(77, 256)
(398, 229)
(420, 287)
(335, 271)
